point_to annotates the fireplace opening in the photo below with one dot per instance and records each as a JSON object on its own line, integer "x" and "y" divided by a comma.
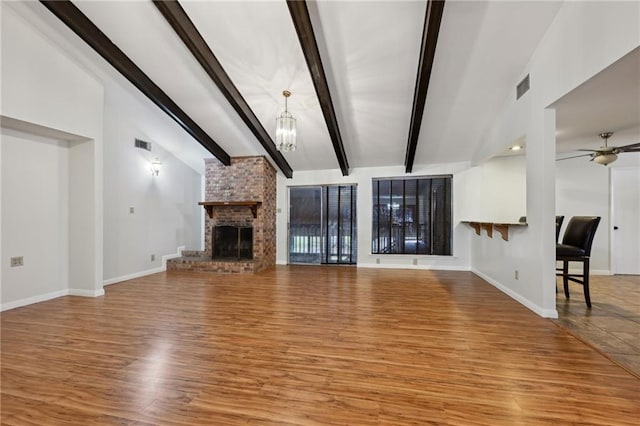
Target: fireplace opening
{"x": 232, "y": 243}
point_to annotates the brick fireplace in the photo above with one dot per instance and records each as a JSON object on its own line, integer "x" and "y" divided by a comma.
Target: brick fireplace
{"x": 242, "y": 195}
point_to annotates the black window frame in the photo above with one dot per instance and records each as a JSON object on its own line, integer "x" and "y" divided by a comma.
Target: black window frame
{"x": 412, "y": 215}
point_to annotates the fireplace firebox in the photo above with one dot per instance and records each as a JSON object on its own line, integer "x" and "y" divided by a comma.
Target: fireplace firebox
{"x": 232, "y": 243}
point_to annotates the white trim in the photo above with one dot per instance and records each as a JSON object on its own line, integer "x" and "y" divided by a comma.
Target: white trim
{"x": 422, "y": 267}
{"x": 148, "y": 271}
{"x": 612, "y": 216}
{"x": 403, "y": 266}
{"x": 85, "y": 293}
{"x": 134, "y": 275}
{"x": 591, "y": 272}
{"x": 545, "y": 313}
{"x": 171, "y": 256}
{"x": 612, "y": 211}
{"x": 34, "y": 299}
{"x": 53, "y": 295}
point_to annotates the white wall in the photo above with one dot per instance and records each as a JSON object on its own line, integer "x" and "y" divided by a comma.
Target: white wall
{"x": 166, "y": 212}
{"x": 35, "y": 215}
{"x": 506, "y": 200}
{"x": 362, "y": 177}
{"x": 498, "y": 190}
{"x": 47, "y": 92}
{"x": 41, "y": 85}
{"x": 584, "y": 38}
{"x": 583, "y": 189}
{"x": 43, "y": 90}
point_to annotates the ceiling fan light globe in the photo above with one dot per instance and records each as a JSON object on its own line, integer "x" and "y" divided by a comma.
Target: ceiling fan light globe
{"x": 605, "y": 159}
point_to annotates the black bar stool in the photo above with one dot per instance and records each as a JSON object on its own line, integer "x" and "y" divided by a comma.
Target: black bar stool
{"x": 576, "y": 247}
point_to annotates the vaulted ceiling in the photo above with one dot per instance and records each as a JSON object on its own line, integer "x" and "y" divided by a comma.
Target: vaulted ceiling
{"x": 370, "y": 52}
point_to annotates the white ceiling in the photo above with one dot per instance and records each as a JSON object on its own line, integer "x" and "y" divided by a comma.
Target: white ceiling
{"x": 482, "y": 52}
{"x": 370, "y": 54}
{"x": 609, "y": 101}
{"x": 371, "y": 50}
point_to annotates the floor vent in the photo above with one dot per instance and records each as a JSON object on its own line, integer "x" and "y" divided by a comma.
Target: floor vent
{"x": 523, "y": 87}
{"x": 143, "y": 145}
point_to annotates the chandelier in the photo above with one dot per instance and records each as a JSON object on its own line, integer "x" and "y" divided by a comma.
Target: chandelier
{"x": 286, "y": 128}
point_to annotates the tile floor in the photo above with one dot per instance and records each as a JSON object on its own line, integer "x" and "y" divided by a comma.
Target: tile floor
{"x": 612, "y": 325}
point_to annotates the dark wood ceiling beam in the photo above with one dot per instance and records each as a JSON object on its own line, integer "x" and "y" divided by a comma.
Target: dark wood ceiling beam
{"x": 80, "y": 24}
{"x": 302, "y": 22}
{"x": 432, "y": 19}
{"x": 193, "y": 40}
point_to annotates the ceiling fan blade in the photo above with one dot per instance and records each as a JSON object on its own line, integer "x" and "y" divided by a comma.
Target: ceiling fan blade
{"x": 575, "y": 156}
{"x": 591, "y": 150}
{"x": 629, "y": 148}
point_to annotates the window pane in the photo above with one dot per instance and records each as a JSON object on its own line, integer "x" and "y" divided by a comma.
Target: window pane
{"x": 384, "y": 218}
{"x": 340, "y": 224}
{"x": 354, "y": 227}
{"x": 345, "y": 227}
{"x": 442, "y": 216}
{"x": 410, "y": 230}
{"x": 397, "y": 216}
{"x": 424, "y": 216}
{"x": 412, "y": 216}
{"x": 331, "y": 232}
{"x": 374, "y": 219}
{"x": 304, "y": 225}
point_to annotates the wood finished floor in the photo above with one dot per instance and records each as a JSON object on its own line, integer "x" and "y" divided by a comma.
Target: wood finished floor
{"x": 303, "y": 345}
{"x": 612, "y": 325}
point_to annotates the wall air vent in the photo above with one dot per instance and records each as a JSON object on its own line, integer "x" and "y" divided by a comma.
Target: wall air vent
{"x": 143, "y": 145}
{"x": 522, "y": 87}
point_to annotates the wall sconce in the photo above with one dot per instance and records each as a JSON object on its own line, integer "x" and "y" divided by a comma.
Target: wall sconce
{"x": 155, "y": 166}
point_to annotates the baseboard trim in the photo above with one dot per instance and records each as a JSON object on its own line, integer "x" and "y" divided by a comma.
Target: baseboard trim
{"x": 166, "y": 257}
{"x": 134, "y": 275}
{"x": 591, "y": 272}
{"x": 53, "y": 295}
{"x": 33, "y": 299}
{"x": 85, "y": 293}
{"x": 403, "y": 266}
{"x": 139, "y": 274}
{"x": 545, "y": 313}
{"x": 422, "y": 267}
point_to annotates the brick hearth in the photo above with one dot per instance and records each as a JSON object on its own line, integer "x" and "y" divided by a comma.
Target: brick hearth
{"x": 246, "y": 179}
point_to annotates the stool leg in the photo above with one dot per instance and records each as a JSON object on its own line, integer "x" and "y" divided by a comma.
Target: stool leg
{"x": 585, "y": 279}
{"x": 565, "y": 278}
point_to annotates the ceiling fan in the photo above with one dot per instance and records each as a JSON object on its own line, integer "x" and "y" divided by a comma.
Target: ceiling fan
{"x": 606, "y": 154}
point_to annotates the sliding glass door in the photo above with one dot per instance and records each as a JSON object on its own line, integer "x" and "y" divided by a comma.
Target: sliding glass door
{"x": 322, "y": 224}
{"x": 305, "y": 224}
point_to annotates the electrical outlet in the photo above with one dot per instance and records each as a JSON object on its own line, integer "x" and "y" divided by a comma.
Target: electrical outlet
{"x": 278, "y": 210}
{"x": 415, "y": 261}
{"x": 153, "y": 257}
{"x": 377, "y": 260}
{"x": 17, "y": 261}
{"x": 132, "y": 210}
{"x": 516, "y": 274}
